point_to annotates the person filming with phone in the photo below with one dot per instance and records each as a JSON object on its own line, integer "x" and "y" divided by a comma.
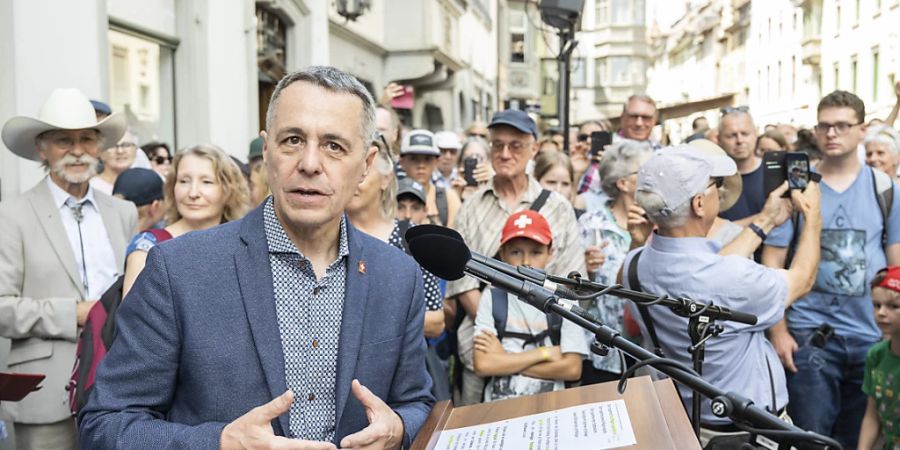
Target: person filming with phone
{"x": 824, "y": 337}
{"x": 679, "y": 190}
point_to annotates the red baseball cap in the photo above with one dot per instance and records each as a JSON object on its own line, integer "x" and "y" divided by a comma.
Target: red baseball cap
{"x": 528, "y": 224}
{"x": 891, "y": 279}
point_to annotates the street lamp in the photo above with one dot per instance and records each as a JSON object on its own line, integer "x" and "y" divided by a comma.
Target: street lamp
{"x": 563, "y": 15}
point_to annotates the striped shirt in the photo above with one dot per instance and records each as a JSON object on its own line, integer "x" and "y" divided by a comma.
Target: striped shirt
{"x": 480, "y": 221}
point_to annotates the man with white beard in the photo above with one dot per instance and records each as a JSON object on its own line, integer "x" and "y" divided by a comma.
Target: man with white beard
{"x": 62, "y": 246}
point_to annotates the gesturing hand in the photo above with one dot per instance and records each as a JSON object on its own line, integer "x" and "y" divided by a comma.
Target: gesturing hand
{"x": 254, "y": 429}
{"x": 385, "y": 430}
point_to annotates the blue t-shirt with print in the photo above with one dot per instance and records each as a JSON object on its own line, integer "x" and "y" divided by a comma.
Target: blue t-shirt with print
{"x": 851, "y": 253}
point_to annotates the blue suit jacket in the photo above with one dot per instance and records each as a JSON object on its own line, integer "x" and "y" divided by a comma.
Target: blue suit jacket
{"x": 198, "y": 342}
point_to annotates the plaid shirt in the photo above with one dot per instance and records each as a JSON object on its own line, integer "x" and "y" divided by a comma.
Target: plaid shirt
{"x": 480, "y": 222}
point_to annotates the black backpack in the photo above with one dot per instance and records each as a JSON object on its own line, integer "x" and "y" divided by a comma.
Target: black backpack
{"x": 500, "y": 310}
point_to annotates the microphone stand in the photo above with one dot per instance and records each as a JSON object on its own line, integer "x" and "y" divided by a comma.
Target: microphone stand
{"x": 701, "y": 319}
{"x": 738, "y": 408}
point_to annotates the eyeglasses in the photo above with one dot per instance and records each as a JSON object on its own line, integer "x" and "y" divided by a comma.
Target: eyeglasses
{"x": 162, "y": 160}
{"x": 734, "y": 109}
{"x": 514, "y": 146}
{"x": 644, "y": 117}
{"x": 379, "y": 141}
{"x": 583, "y": 137}
{"x": 839, "y": 127}
{"x": 124, "y": 146}
{"x": 718, "y": 182}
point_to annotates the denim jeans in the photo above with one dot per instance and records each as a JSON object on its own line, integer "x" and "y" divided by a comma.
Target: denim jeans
{"x": 826, "y": 394}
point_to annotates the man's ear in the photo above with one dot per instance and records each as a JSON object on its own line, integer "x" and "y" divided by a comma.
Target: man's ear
{"x": 698, "y": 205}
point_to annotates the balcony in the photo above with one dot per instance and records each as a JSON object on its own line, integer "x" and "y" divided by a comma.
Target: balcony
{"x": 811, "y": 51}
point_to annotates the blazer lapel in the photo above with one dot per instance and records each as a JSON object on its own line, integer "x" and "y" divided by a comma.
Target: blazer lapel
{"x": 48, "y": 216}
{"x": 354, "y": 312}
{"x": 113, "y": 225}
{"x": 255, "y": 279}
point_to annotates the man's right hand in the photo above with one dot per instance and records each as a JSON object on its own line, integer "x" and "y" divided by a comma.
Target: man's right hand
{"x": 777, "y": 208}
{"x": 254, "y": 429}
{"x": 82, "y": 309}
{"x": 785, "y": 346}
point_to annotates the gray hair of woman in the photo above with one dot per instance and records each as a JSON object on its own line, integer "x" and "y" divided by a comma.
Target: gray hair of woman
{"x": 384, "y": 165}
{"x": 885, "y": 135}
{"x": 621, "y": 159}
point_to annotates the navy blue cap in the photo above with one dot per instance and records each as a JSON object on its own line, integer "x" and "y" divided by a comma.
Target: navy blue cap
{"x": 139, "y": 186}
{"x": 101, "y": 107}
{"x": 515, "y": 118}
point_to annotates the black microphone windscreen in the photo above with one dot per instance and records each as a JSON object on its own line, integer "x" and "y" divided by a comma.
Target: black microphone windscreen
{"x": 442, "y": 255}
{"x": 420, "y": 230}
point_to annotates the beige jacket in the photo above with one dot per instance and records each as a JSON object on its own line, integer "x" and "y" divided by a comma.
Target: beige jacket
{"x": 39, "y": 287}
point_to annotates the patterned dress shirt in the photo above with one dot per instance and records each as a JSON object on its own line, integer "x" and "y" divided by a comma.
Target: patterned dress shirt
{"x": 309, "y": 312}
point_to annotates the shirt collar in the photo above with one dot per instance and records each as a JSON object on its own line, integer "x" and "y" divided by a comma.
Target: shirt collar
{"x": 60, "y": 196}
{"x": 531, "y": 193}
{"x": 683, "y": 245}
{"x": 279, "y": 242}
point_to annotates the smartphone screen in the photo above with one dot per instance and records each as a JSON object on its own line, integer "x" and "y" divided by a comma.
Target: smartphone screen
{"x": 599, "y": 141}
{"x": 773, "y": 170}
{"x": 797, "y": 170}
{"x": 469, "y": 165}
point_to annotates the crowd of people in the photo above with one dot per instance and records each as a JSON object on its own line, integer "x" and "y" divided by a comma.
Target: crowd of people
{"x": 323, "y": 204}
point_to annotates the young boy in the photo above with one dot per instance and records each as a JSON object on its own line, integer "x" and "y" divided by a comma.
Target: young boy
{"x": 524, "y": 360}
{"x": 882, "y": 376}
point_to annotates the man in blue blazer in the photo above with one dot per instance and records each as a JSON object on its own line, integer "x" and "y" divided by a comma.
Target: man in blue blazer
{"x": 288, "y": 328}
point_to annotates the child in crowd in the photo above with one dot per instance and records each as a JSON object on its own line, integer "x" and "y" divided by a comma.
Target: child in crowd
{"x": 882, "y": 377}
{"x": 411, "y": 201}
{"x": 529, "y": 352}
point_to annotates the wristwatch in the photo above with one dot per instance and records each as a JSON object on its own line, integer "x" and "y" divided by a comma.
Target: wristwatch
{"x": 759, "y": 232}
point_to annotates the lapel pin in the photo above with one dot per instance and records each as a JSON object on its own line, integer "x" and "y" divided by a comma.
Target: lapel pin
{"x": 361, "y": 266}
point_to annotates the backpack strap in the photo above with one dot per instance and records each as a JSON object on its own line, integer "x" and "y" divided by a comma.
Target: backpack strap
{"x": 500, "y": 313}
{"x": 540, "y": 200}
{"x": 635, "y": 284}
{"x": 440, "y": 197}
{"x": 884, "y": 194}
{"x": 500, "y": 310}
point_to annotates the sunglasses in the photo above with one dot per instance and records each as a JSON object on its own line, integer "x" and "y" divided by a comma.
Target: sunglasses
{"x": 718, "y": 182}
{"x": 162, "y": 159}
{"x": 583, "y": 137}
{"x": 379, "y": 141}
{"x": 733, "y": 109}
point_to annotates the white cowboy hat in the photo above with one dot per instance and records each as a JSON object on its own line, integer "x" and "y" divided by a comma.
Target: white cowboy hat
{"x": 65, "y": 109}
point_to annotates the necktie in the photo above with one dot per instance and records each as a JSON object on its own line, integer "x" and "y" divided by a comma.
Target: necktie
{"x": 78, "y": 214}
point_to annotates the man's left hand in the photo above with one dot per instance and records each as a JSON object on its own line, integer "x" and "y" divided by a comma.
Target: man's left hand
{"x": 385, "y": 430}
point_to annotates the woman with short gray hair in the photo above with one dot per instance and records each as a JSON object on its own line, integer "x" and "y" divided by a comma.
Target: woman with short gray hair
{"x": 607, "y": 241}
{"x": 882, "y": 144}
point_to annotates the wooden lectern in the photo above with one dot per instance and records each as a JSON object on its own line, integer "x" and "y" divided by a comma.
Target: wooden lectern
{"x": 657, "y": 415}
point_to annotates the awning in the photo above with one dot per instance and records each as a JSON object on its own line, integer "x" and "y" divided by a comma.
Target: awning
{"x": 688, "y": 108}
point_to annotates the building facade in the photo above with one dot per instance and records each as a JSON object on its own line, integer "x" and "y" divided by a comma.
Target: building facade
{"x": 202, "y": 71}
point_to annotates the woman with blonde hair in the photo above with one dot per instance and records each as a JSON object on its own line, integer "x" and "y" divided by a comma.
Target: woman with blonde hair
{"x": 204, "y": 188}
{"x": 372, "y": 211}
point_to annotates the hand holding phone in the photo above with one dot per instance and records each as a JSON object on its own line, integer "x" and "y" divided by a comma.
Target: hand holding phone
{"x": 469, "y": 165}
{"x": 599, "y": 141}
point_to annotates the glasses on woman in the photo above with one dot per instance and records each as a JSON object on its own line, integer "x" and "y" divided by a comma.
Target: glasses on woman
{"x": 379, "y": 141}
{"x": 160, "y": 160}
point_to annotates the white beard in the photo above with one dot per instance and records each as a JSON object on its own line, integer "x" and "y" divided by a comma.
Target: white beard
{"x": 60, "y": 169}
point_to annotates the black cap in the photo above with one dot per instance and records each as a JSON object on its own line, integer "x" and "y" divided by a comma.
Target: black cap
{"x": 408, "y": 186}
{"x": 515, "y": 118}
{"x": 139, "y": 186}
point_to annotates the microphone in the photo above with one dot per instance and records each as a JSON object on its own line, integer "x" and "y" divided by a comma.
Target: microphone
{"x": 442, "y": 252}
{"x": 536, "y": 276}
